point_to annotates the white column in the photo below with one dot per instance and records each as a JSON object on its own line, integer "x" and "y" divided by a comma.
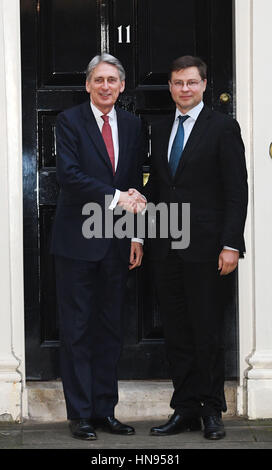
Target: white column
{"x": 12, "y": 366}
{"x": 243, "y": 80}
{"x": 260, "y": 375}
{"x": 254, "y": 72}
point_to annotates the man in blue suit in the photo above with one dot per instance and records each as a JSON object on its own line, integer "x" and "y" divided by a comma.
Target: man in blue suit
{"x": 98, "y": 161}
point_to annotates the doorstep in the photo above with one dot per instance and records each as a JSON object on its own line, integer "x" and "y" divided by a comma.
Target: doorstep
{"x": 138, "y": 399}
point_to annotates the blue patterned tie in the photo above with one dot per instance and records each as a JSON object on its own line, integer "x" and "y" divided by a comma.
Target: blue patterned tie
{"x": 177, "y": 146}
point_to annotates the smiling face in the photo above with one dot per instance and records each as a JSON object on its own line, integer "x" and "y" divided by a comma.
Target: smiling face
{"x": 187, "y": 97}
{"x": 104, "y": 86}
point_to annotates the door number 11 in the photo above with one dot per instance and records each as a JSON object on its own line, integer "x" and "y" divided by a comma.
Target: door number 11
{"x": 120, "y": 34}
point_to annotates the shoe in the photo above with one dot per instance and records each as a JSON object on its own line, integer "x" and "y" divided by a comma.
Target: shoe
{"x": 175, "y": 425}
{"x": 111, "y": 424}
{"x": 213, "y": 427}
{"x": 82, "y": 429}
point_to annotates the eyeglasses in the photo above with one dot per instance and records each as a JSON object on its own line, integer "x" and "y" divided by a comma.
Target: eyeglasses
{"x": 190, "y": 84}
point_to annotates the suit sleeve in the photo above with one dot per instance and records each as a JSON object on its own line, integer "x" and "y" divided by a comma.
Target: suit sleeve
{"x": 69, "y": 174}
{"x": 235, "y": 187}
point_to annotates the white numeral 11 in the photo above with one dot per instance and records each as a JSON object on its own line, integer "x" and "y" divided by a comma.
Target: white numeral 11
{"x": 120, "y": 34}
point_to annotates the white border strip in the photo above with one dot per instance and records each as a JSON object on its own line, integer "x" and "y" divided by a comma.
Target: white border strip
{"x": 244, "y": 115}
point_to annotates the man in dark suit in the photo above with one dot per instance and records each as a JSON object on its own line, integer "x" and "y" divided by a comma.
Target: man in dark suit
{"x": 197, "y": 158}
{"x": 98, "y": 163}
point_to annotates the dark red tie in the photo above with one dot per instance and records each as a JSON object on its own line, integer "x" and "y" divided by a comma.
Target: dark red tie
{"x": 107, "y": 136}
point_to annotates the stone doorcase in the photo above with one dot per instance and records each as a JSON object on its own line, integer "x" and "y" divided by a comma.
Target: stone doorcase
{"x": 254, "y": 102}
{"x": 12, "y": 368}
{"x": 253, "y": 65}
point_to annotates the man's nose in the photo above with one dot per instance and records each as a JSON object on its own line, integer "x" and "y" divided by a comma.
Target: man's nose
{"x": 105, "y": 83}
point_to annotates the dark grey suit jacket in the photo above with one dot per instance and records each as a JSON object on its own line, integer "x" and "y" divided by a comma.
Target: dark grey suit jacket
{"x": 211, "y": 176}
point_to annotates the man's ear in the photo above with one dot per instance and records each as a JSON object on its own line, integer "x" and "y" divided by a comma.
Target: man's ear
{"x": 122, "y": 87}
{"x": 87, "y": 86}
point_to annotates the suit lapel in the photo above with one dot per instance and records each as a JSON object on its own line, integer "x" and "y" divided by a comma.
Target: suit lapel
{"x": 165, "y": 132}
{"x": 122, "y": 138}
{"x": 94, "y": 133}
{"x": 196, "y": 133}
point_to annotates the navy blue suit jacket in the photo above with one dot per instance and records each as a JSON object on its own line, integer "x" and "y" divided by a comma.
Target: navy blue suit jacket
{"x": 85, "y": 175}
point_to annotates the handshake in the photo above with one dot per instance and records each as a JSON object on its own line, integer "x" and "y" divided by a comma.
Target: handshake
{"x": 132, "y": 201}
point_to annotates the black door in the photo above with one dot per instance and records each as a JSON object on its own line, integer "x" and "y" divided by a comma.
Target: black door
{"x": 59, "y": 37}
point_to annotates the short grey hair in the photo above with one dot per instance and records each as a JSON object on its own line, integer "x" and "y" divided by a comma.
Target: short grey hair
{"x": 109, "y": 59}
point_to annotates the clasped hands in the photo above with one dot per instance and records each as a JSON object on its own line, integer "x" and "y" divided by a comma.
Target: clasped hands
{"x": 132, "y": 201}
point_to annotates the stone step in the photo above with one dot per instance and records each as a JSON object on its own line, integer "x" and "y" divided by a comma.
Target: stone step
{"x": 138, "y": 399}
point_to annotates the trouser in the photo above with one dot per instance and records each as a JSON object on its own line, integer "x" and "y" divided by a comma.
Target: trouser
{"x": 191, "y": 298}
{"x": 90, "y": 300}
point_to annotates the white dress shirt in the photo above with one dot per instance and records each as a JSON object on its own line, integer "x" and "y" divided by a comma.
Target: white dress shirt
{"x": 114, "y": 131}
{"x": 187, "y": 125}
{"x": 114, "y": 128}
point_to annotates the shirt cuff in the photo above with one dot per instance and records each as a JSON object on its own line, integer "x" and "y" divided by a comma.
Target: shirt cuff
{"x": 138, "y": 240}
{"x": 229, "y": 248}
{"x": 115, "y": 200}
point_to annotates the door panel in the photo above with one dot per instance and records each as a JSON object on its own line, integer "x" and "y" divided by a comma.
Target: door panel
{"x": 164, "y": 34}
{"x": 59, "y": 37}
{"x": 66, "y": 27}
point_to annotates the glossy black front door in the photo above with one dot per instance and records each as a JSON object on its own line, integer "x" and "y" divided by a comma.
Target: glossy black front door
{"x": 59, "y": 37}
